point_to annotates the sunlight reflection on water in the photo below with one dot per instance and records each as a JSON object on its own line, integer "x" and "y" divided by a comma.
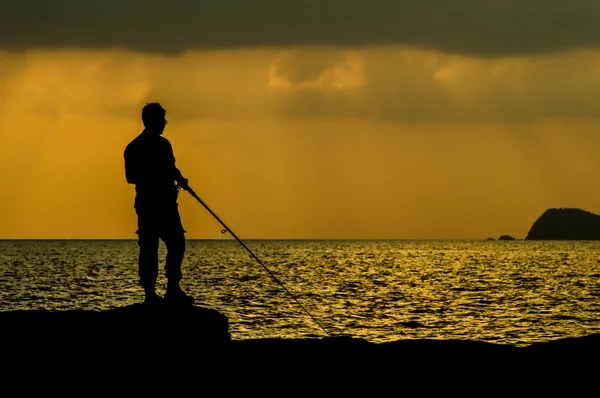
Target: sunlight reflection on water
{"x": 515, "y": 292}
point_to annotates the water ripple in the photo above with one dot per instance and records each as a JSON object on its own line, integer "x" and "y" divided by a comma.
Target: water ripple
{"x": 508, "y": 292}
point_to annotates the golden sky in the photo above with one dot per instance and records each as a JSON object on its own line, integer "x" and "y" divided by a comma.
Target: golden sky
{"x": 381, "y": 138}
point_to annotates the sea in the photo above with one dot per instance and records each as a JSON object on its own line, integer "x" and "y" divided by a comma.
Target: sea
{"x": 506, "y": 292}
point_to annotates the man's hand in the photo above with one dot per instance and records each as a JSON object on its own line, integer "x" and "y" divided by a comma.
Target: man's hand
{"x": 183, "y": 183}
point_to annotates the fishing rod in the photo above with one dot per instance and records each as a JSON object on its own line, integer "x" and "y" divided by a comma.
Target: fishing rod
{"x": 191, "y": 191}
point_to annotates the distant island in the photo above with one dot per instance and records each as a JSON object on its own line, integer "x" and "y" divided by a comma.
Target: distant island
{"x": 503, "y": 237}
{"x": 506, "y": 237}
{"x": 565, "y": 224}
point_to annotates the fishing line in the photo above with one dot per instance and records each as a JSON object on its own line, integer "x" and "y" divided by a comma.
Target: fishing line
{"x": 191, "y": 191}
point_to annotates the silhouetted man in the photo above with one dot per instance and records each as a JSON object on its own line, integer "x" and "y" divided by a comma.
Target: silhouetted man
{"x": 150, "y": 165}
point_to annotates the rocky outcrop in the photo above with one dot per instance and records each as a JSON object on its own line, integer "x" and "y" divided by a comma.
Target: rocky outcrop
{"x": 566, "y": 224}
{"x": 135, "y": 336}
{"x": 41, "y": 335}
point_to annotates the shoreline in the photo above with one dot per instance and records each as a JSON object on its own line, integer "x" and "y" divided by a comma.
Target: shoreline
{"x": 136, "y": 334}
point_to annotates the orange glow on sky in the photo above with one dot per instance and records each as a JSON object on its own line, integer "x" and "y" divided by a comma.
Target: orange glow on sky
{"x": 373, "y": 143}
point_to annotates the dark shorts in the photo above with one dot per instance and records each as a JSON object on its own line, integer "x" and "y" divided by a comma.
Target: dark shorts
{"x": 159, "y": 220}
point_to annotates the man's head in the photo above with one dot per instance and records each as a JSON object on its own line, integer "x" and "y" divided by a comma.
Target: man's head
{"x": 153, "y": 116}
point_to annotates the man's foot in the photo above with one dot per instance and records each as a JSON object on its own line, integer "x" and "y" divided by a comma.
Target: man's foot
{"x": 178, "y": 297}
{"x": 152, "y": 299}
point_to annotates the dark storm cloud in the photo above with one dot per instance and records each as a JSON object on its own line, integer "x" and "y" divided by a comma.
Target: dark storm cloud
{"x": 478, "y": 27}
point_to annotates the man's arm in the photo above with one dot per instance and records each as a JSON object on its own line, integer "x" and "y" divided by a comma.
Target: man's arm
{"x": 177, "y": 176}
{"x": 181, "y": 180}
{"x": 130, "y": 172}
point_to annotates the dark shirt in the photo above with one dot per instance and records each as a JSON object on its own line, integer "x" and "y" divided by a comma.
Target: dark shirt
{"x": 150, "y": 165}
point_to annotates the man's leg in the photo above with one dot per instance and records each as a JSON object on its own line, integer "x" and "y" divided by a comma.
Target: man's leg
{"x": 174, "y": 238}
{"x": 175, "y": 244}
{"x": 148, "y": 241}
{"x": 148, "y": 265}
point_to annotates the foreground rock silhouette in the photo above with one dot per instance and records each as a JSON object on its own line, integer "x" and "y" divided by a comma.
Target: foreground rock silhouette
{"x": 565, "y": 224}
{"x": 137, "y": 335}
